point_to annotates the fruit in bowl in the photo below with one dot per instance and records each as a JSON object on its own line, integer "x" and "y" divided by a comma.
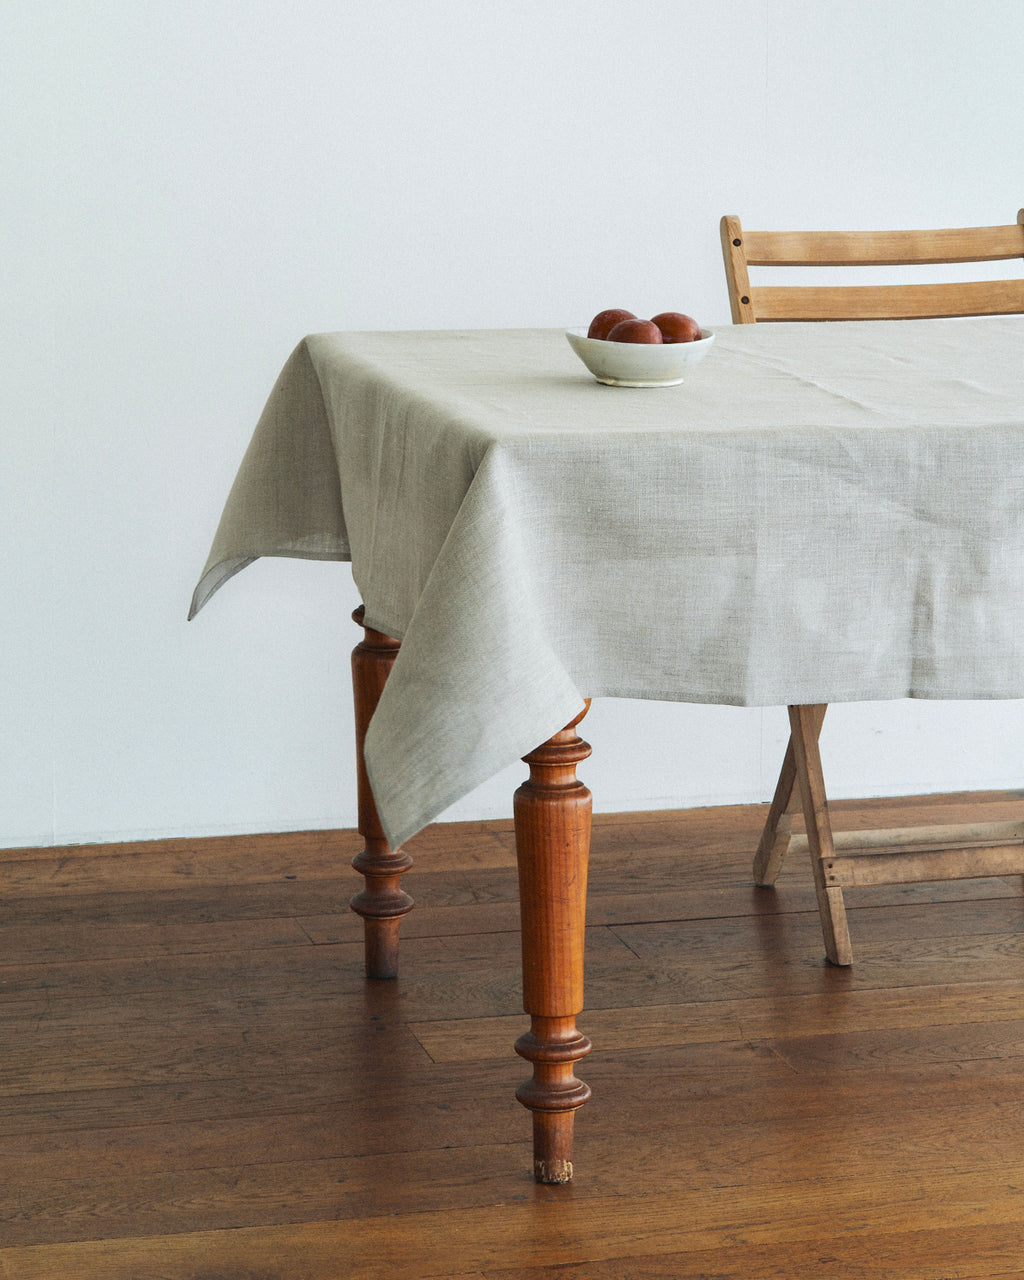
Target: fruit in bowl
{"x": 675, "y": 327}
{"x": 605, "y": 321}
{"x": 622, "y": 350}
{"x": 617, "y": 325}
{"x": 635, "y": 331}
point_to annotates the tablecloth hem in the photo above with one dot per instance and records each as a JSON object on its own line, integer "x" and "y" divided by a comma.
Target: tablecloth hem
{"x": 212, "y": 581}
{"x": 917, "y": 694}
{"x": 441, "y": 800}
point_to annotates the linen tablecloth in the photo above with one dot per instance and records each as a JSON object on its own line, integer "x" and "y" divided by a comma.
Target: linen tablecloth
{"x": 819, "y": 513}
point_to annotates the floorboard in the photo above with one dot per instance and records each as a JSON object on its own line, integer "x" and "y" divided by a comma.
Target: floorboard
{"x": 197, "y": 1082}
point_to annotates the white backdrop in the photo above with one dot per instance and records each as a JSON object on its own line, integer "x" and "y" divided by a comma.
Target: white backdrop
{"x": 191, "y": 187}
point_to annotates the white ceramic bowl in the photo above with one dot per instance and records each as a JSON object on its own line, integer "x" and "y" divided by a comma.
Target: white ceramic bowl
{"x": 639, "y": 364}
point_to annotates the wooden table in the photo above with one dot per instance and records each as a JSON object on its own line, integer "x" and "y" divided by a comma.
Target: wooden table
{"x": 819, "y": 514}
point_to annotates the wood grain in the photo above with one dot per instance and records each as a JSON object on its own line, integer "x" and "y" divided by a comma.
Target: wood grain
{"x": 553, "y": 813}
{"x": 198, "y": 1083}
{"x": 382, "y": 902}
{"x": 883, "y": 248}
{"x": 742, "y": 249}
{"x": 886, "y": 302}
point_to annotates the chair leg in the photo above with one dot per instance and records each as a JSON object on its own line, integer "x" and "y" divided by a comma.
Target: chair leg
{"x": 778, "y": 827}
{"x": 805, "y": 726}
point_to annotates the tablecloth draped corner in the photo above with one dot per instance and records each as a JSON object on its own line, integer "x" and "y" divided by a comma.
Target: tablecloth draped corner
{"x": 213, "y": 578}
{"x": 286, "y": 498}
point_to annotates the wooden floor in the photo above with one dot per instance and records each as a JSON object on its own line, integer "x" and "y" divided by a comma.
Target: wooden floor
{"x": 197, "y": 1083}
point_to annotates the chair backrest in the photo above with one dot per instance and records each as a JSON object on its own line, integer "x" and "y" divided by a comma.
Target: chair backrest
{"x": 742, "y": 249}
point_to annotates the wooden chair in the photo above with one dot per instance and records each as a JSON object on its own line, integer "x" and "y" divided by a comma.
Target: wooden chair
{"x": 907, "y": 855}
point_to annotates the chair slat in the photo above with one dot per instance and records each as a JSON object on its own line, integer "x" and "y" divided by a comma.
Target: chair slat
{"x": 882, "y": 248}
{"x": 890, "y": 302}
{"x": 921, "y": 866}
{"x": 960, "y": 836}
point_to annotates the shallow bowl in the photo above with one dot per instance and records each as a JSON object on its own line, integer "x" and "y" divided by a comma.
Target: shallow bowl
{"x": 639, "y": 364}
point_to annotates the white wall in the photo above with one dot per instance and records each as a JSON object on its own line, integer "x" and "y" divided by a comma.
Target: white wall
{"x": 189, "y": 187}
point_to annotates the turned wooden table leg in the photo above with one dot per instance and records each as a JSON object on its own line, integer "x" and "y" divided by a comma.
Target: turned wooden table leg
{"x": 552, "y": 821}
{"x": 382, "y": 903}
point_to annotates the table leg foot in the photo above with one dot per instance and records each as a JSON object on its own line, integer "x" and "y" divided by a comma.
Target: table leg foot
{"x": 553, "y": 1095}
{"x": 382, "y": 902}
{"x": 552, "y": 820}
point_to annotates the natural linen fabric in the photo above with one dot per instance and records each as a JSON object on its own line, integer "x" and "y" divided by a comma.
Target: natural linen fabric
{"x": 819, "y": 513}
